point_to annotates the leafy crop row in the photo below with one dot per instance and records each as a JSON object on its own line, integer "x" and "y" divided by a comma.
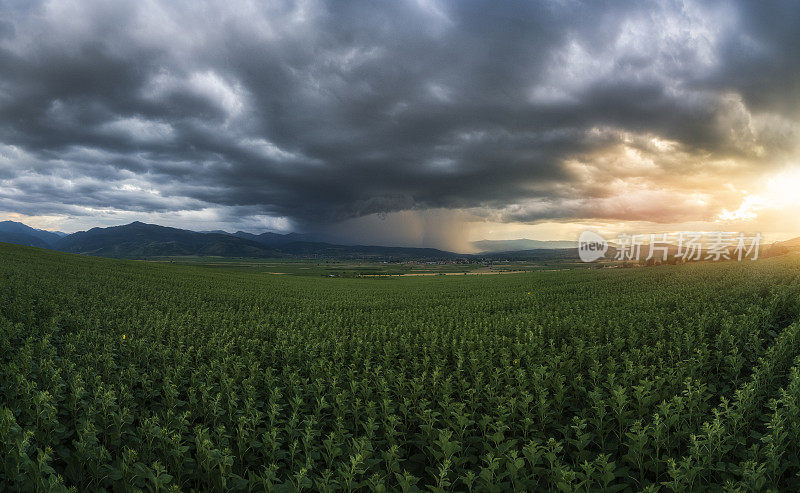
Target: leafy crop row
{"x": 130, "y": 376}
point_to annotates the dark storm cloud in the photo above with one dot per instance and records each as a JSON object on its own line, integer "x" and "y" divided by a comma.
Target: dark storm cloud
{"x": 324, "y": 111}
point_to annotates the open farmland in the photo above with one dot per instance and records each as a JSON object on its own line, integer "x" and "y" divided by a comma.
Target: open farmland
{"x": 123, "y": 376}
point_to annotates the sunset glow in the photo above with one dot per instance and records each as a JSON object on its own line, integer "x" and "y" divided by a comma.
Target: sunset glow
{"x": 451, "y": 123}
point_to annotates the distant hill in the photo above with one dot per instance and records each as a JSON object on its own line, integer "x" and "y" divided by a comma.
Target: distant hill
{"x": 137, "y": 240}
{"x": 13, "y": 229}
{"x": 22, "y": 239}
{"x": 486, "y": 246}
{"x": 791, "y": 244}
{"x": 148, "y": 240}
{"x": 320, "y": 249}
{"x": 297, "y": 244}
{"x": 781, "y": 247}
{"x": 271, "y": 239}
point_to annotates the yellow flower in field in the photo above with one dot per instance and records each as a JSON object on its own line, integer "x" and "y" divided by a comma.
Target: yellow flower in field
{"x": 516, "y": 361}
{"x": 123, "y": 337}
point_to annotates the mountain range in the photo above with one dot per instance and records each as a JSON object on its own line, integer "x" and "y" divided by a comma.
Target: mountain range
{"x": 140, "y": 240}
{"x": 137, "y": 239}
{"x": 149, "y": 240}
{"x": 21, "y": 234}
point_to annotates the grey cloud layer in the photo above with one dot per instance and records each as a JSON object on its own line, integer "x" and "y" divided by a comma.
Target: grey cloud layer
{"x": 324, "y": 111}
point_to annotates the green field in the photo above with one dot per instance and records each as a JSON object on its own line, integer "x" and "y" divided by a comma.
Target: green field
{"x": 354, "y": 268}
{"x": 130, "y": 375}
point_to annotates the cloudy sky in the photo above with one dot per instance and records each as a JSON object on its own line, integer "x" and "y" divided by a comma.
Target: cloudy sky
{"x": 417, "y": 122}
